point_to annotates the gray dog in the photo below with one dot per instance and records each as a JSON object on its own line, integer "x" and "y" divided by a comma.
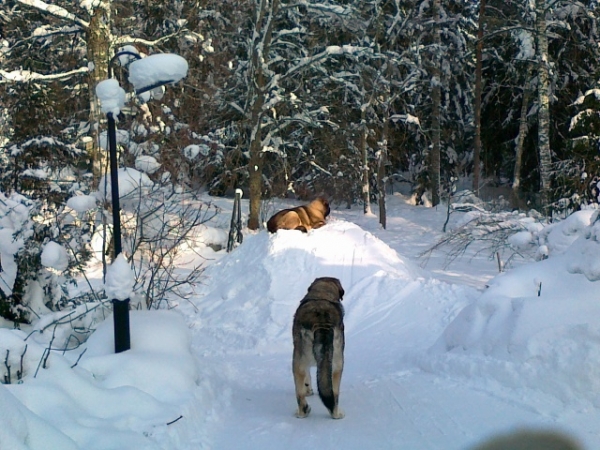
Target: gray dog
{"x": 318, "y": 334}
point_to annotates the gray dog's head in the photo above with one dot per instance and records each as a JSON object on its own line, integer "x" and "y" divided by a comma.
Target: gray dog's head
{"x": 327, "y": 285}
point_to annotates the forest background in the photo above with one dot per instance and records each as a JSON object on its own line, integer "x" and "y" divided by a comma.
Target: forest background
{"x": 297, "y": 98}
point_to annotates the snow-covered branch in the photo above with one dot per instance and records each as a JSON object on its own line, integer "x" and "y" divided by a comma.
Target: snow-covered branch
{"x": 503, "y": 30}
{"x": 24, "y": 76}
{"x": 333, "y": 9}
{"x": 329, "y": 51}
{"x": 237, "y": 108}
{"x": 130, "y": 40}
{"x": 55, "y": 11}
{"x": 595, "y": 92}
{"x": 315, "y": 165}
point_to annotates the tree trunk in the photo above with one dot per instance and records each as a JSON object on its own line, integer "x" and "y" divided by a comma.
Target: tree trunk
{"x": 434, "y": 157}
{"x": 255, "y": 182}
{"x": 516, "y": 185}
{"x": 98, "y": 54}
{"x": 477, "y": 105}
{"x": 543, "y": 106}
{"x": 365, "y": 156}
{"x": 265, "y": 18}
{"x": 381, "y": 162}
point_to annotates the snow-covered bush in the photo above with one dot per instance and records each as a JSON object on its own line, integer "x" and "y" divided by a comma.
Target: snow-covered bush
{"x": 42, "y": 247}
{"x": 512, "y": 234}
{"x": 158, "y": 223}
{"x": 503, "y": 234}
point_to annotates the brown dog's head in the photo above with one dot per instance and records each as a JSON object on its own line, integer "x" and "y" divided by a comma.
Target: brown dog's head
{"x": 322, "y": 205}
{"x": 329, "y": 285}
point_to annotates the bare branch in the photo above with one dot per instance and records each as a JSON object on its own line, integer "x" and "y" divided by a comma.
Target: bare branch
{"x": 488, "y": 232}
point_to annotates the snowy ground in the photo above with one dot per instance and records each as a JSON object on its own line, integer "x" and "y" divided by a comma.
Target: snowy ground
{"x": 434, "y": 358}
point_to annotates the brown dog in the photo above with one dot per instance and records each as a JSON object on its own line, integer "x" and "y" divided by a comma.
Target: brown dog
{"x": 302, "y": 218}
{"x": 318, "y": 335}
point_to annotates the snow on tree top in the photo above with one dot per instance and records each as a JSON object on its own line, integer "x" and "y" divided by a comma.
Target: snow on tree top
{"x": 55, "y": 256}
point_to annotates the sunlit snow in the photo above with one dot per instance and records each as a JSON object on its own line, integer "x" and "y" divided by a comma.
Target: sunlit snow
{"x": 437, "y": 356}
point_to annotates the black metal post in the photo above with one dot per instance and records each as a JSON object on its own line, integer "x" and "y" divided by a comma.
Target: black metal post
{"x": 120, "y": 307}
{"x": 235, "y": 228}
{"x": 238, "y": 196}
{"x": 114, "y": 183}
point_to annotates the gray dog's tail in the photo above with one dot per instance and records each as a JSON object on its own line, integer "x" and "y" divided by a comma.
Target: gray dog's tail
{"x": 323, "y": 353}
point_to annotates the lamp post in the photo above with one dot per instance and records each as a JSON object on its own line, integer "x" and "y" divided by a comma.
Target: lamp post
{"x": 151, "y": 73}
{"x": 120, "y": 307}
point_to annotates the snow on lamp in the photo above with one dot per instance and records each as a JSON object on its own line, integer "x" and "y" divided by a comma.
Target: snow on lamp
{"x": 148, "y": 76}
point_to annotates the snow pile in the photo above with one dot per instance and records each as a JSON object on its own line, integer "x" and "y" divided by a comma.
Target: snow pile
{"x": 252, "y": 293}
{"x": 24, "y": 430}
{"x": 159, "y": 363}
{"x": 147, "y": 164}
{"x": 20, "y": 357}
{"x": 559, "y": 236}
{"x": 116, "y": 401}
{"x": 536, "y": 325}
{"x": 82, "y": 203}
{"x": 525, "y": 234}
{"x": 55, "y": 256}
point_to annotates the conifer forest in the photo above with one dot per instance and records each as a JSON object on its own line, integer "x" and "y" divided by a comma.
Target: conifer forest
{"x": 296, "y": 98}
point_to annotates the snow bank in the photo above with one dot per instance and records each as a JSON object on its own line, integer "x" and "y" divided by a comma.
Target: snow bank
{"x": 107, "y": 400}
{"x": 261, "y": 283}
{"x": 159, "y": 363}
{"x": 23, "y": 430}
{"x": 560, "y": 235}
{"x": 537, "y": 325}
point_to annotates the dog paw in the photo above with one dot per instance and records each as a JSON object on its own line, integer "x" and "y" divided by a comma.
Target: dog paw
{"x": 301, "y": 414}
{"x": 338, "y": 414}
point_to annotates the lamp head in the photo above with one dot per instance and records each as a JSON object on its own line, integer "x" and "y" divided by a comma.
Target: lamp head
{"x": 154, "y": 71}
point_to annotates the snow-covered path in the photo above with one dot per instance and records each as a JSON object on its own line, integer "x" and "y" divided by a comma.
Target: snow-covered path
{"x": 403, "y": 409}
{"x": 393, "y": 391}
{"x": 389, "y": 402}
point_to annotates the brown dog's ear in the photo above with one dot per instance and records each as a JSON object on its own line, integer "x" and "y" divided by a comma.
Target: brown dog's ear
{"x": 325, "y": 202}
